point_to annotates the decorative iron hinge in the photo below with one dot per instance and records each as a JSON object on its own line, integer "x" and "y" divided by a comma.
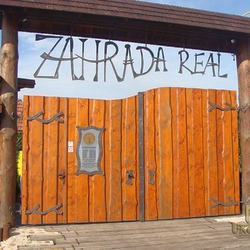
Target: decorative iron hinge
{"x": 53, "y": 209}
{"x": 217, "y": 203}
{"x": 54, "y": 118}
{"x": 214, "y": 106}
{"x": 246, "y": 201}
{"x": 242, "y": 108}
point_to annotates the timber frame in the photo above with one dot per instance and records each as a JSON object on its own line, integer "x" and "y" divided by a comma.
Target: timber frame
{"x": 125, "y": 20}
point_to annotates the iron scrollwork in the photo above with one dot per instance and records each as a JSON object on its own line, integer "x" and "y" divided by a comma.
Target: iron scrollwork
{"x": 53, "y": 209}
{"x": 217, "y": 203}
{"x": 242, "y": 108}
{"x": 230, "y": 107}
{"x": 54, "y": 118}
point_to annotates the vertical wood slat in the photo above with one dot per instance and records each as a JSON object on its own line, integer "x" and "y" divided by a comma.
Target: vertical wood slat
{"x": 72, "y": 135}
{"x": 35, "y": 166}
{"x": 149, "y": 155}
{"x": 164, "y": 155}
{"x": 129, "y": 159}
{"x": 82, "y": 181}
{"x": 62, "y": 161}
{"x": 195, "y": 152}
{"x": 180, "y": 160}
{"x": 210, "y": 152}
{"x": 220, "y": 151}
{"x": 97, "y": 206}
{"x": 225, "y": 155}
{"x": 50, "y": 163}
{"x": 114, "y": 164}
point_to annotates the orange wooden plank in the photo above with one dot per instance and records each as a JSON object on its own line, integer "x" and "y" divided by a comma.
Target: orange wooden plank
{"x": 71, "y": 176}
{"x": 164, "y": 180}
{"x": 129, "y": 159}
{"x": 50, "y": 163}
{"x": 82, "y": 180}
{"x": 113, "y": 163}
{"x": 221, "y": 119}
{"x": 35, "y": 164}
{"x": 210, "y": 152}
{"x": 227, "y": 154}
{"x": 97, "y": 202}
{"x": 180, "y": 168}
{"x": 149, "y": 154}
{"x": 195, "y": 152}
{"x": 62, "y": 160}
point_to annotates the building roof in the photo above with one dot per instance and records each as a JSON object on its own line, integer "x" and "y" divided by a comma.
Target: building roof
{"x": 129, "y": 20}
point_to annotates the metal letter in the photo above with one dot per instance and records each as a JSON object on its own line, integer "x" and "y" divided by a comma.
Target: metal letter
{"x": 182, "y": 62}
{"x": 157, "y": 60}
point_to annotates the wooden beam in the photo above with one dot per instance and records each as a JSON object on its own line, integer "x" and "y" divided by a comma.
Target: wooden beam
{"x": 243, "y": 64}
{"x": 8, "y": 126}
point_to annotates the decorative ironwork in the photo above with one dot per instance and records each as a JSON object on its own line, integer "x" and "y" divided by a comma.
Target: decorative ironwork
{"x": 12, "y": 211}
{"x": 62, "y": 176}
{"x": 129, "y": 173}
{"x": 107, "y": 57}
{"x": 230, "y": 107}
{"x": 242, "y": 108}
{"x": 53, "y": 209}
{"x": 217, "y": 203}
{"x": 151, "y": 177}
{"x": 141, "y": 155}
{"x": 246, "y": 201}
{"x": 89, "y": 150}
{"x": 54, "y": 118}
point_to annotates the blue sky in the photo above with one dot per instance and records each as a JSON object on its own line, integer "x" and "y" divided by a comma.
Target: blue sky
{"x": 31, "y": 50}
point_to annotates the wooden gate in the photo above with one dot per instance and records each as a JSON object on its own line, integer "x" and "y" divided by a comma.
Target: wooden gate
{"x": 166, "y": 153}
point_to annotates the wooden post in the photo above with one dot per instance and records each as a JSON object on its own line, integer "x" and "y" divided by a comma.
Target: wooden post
{"x": 243, "y": 64}
{"x": 8, "y": 127}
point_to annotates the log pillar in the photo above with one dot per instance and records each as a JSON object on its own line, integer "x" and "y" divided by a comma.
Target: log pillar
{"x": 243, "y": 65}
{"x": 8, "y": 126}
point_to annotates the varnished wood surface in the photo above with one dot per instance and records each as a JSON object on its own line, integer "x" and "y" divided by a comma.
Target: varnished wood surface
{"x": 192, "y": 151}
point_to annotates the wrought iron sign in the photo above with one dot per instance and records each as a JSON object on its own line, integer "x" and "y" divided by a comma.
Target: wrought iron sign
{"x": 89, "y": 150}
{"x": 155, "y": 61}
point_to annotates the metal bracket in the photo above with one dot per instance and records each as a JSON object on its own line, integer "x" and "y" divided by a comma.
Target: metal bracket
{"x": 151, "y": 177}
{"x": 129, "y": 173}
{"x": 242, "y": 108}
{"x": 217, "y": 203}
{"x": 230, "y": 107}
{"x": 62, "y": 176}
{"x": 246, "y": 201}
{"x": 54, "y": 209}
